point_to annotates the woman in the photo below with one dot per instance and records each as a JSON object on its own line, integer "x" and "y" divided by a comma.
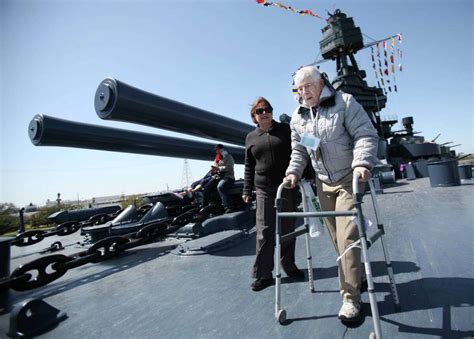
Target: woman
{"x": 267, "y": 155}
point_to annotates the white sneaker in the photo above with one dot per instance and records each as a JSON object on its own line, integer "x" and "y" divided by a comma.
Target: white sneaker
{"x": 349, "y": 311}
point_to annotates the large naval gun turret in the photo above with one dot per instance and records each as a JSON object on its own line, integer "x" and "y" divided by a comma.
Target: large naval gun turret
{"x": 406, "y": 145}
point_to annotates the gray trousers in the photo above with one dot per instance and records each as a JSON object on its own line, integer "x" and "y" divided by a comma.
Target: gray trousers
{"x": 265, "y": 225}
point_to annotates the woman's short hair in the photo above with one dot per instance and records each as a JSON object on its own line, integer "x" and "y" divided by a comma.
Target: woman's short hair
{"x": 307, "y": 73}
{"x": 254, "y": 105}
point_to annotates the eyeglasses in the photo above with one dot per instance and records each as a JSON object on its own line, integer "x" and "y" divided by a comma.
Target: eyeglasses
{"x": 260, "y": 111}
{"x": 306, "y": 87}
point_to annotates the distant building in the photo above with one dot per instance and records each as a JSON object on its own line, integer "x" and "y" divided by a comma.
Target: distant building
{"x": 97, "y": 201}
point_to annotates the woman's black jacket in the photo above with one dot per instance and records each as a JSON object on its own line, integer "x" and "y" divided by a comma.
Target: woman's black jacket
{"x": 267, "y": 155}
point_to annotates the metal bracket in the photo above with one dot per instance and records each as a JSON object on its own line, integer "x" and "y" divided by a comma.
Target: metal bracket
{"x": 55, "y": 246}
{"x": 33, "y": 317}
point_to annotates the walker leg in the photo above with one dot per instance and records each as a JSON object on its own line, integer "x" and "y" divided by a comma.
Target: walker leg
{"x": 365, "y": 258}
{"x": 388, "y": 264}
{"x": 370, "y": 289}
{"x": 279, "y": 313}
{"x": 310, "y": 263}
{"x": 368, "y": 268}
{"x": 391, "y": 277}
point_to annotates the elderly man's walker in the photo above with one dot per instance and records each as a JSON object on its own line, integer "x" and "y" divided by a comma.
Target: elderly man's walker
{"x": 364, "y": 242}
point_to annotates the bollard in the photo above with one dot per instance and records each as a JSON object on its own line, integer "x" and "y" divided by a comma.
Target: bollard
{"x": 4, "y": 269}
{"x": 465, "y": 171}
{"x": 410, "y": 170}
{"x": 444, "y": 173}
{"x": 21, "y": 228}
{"x": 421, "y": 168}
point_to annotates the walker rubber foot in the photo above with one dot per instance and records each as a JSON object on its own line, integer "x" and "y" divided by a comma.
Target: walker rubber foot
{"x": 281, "y": 316}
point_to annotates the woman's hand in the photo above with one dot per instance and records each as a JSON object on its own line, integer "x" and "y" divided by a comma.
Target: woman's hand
{"x": 246, "y": 198}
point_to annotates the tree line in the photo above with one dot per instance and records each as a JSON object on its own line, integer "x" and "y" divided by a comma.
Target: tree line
{"x": 10, "y": 220}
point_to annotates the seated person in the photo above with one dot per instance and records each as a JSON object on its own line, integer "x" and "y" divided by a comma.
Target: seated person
{"x": 199, "y": 184}
{"x": 224, "y": 163}
{"x": 209, "y": 182}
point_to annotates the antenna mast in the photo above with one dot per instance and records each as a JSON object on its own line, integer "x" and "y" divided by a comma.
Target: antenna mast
{"x": 187, "y": 178}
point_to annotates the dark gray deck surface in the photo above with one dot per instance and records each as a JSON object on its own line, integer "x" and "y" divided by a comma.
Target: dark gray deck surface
{"x": 152, "y": 293}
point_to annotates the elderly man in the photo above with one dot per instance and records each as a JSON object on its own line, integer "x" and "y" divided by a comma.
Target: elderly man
{"x": 333, "y": 131}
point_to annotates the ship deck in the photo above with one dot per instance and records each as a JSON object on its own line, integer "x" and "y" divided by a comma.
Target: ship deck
{"x": 152, "y": 293}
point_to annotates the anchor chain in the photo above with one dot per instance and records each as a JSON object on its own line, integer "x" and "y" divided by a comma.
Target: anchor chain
{"x": 35, "y": 236}
{"x": 52, "y": 267}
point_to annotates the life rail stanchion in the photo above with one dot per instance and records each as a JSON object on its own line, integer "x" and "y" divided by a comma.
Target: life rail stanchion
{"x": 388, "y": 263}
{"x": 365, "y": 255}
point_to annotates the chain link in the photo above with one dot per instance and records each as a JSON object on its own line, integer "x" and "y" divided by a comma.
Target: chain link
{"x": 185, "y": 217}
{"x": 6, "y": 283}
{"x": 152, "y": 229}
{"x": 40, "y": 265}
{"x": 78, "y": 261}
{"x": 28, "y": 238}
{"x": 52, "y": 267}
{"x": 108, "y": 247}
{"x": 35, "y": 236}
{"x": 67, "y": 228}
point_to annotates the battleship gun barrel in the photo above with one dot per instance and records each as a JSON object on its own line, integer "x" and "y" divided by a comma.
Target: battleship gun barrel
{"x": 116, "y": 100}
{"x": 464, "y": 156}
{"x": 436, "y": 137}
{"x": 45, "y": 130}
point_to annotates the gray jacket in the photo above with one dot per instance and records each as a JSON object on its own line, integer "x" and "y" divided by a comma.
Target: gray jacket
{"x": 226, "y": 165}
{"x": 347, "y": 137}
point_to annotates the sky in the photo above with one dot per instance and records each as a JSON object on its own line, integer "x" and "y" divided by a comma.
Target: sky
{"x": 215, "y": 55}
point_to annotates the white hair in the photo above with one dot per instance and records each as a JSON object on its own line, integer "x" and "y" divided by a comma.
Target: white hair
{"x": 305, "y": 74}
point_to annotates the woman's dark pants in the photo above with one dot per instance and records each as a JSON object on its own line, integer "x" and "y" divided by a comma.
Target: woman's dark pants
{"x": 265, "y": 225}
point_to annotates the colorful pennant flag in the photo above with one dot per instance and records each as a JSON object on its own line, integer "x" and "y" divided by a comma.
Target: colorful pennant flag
{"x": 382, "y": 73}
{"x": 399, "y": 36}
{"x": 280, "y": 5}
